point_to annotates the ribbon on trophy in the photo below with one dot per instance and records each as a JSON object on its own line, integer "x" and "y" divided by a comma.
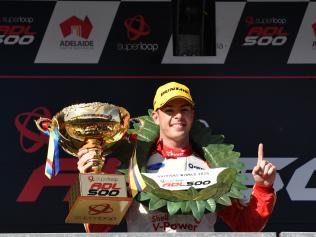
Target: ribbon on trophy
{"x": 135, "y": 179}
{"x": 52, "y": 160}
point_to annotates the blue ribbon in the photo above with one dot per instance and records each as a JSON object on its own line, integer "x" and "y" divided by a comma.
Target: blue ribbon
{"x": 56, "y": 165}
{"x": 56, "y": 151}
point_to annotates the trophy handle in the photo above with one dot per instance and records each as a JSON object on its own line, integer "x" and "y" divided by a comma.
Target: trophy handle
{"x": 39, "y": 124}
{"x": 140, "y": 121}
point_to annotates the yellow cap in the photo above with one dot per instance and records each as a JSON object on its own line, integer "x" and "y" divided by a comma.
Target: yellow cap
{"x": 170, "y": 91}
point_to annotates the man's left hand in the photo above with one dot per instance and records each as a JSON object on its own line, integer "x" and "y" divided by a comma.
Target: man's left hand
{"x": 264, "y": 172}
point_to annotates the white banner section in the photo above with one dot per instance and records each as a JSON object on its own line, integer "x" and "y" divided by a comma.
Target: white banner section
{"x": 186, "y": 179}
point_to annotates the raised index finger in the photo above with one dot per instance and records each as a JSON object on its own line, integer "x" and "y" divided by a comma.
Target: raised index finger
{"x": 260, "y": 153}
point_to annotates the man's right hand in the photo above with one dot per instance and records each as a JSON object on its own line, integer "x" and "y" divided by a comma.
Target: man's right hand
{"x": 86, "y": 155}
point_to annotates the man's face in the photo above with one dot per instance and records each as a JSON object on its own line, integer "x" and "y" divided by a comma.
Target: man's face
{"x": 175, "y": 119}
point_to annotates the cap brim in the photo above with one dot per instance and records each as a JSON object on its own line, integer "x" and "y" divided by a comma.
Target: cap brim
{"x": 176, "y": 97}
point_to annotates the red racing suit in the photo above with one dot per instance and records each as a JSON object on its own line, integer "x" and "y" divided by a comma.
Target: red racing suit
{"x": 250, "y": 217}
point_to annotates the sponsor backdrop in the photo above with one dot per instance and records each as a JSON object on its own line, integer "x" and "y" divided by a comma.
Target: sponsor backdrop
{"x": 260, "y": 87}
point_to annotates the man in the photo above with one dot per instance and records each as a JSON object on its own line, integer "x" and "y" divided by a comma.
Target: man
{"x": 174, "y": 113}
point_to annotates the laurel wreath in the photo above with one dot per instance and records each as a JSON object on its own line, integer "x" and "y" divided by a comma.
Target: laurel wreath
{"x": 193, "y": 201}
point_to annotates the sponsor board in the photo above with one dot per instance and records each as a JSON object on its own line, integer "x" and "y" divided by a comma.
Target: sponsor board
{"x": 81, "y": 29}
{"x": 264, "y": 35}
{"x": 140, "y": 33}
{"x": 22, "y": 29}
{"x": 304, "y": 49}
{"x": 77, "y": 32}
{"x": 16, "y": 33}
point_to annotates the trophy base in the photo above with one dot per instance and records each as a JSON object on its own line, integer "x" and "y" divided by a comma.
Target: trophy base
{"x": 98, "y": 199}
{"x": 98, "y": 210}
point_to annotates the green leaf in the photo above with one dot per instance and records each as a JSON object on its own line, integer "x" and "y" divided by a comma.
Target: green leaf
{"x": 239, "y": 186}
{"x": 238, "y": 165}
{"x": 136, "y": 126}
{"x": 156, "y": 203}
{"x": 150, "y": 184}
{"x": 241, "y": 178}
{"x": 224, "y": 200}
{"x": 227, "y": 176}
{"x": 219, "y": 154}
{"x": 203, "y": 135}
{"x": 192, "y": 192}
{"x": 149, "y": 131}
{"x": 222, "y": 188}
{"x": 150, "y": 111}
{"x": 210, "y": 158}
{"x": 207, "y": 192}
{"x": 144, "y": 196}
{"x": 216, "y": 139}
{"x": 178, "y": 195}
{"x": 198, "y": 208}
{"x": 185, "y": 207}
{"x": 145, "y": 135}
{"x": 235, "y": 193}
{"x": 173, "y": 207}
{"x": 143, "y": 149}
{"x": 165, "y": 194}
{"x": 211, "y": 205}
{"x": 125, "y": 172}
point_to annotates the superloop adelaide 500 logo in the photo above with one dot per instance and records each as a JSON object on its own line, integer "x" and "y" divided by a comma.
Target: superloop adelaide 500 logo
{"x": 268, "y": 31}
{"x": 16, "y": 30}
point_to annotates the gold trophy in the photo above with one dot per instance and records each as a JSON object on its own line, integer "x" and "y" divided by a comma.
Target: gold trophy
{"x": 96, "y": 197}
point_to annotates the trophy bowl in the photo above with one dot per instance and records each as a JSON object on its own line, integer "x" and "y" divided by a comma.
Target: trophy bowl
{"x": 100, "y": 124}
